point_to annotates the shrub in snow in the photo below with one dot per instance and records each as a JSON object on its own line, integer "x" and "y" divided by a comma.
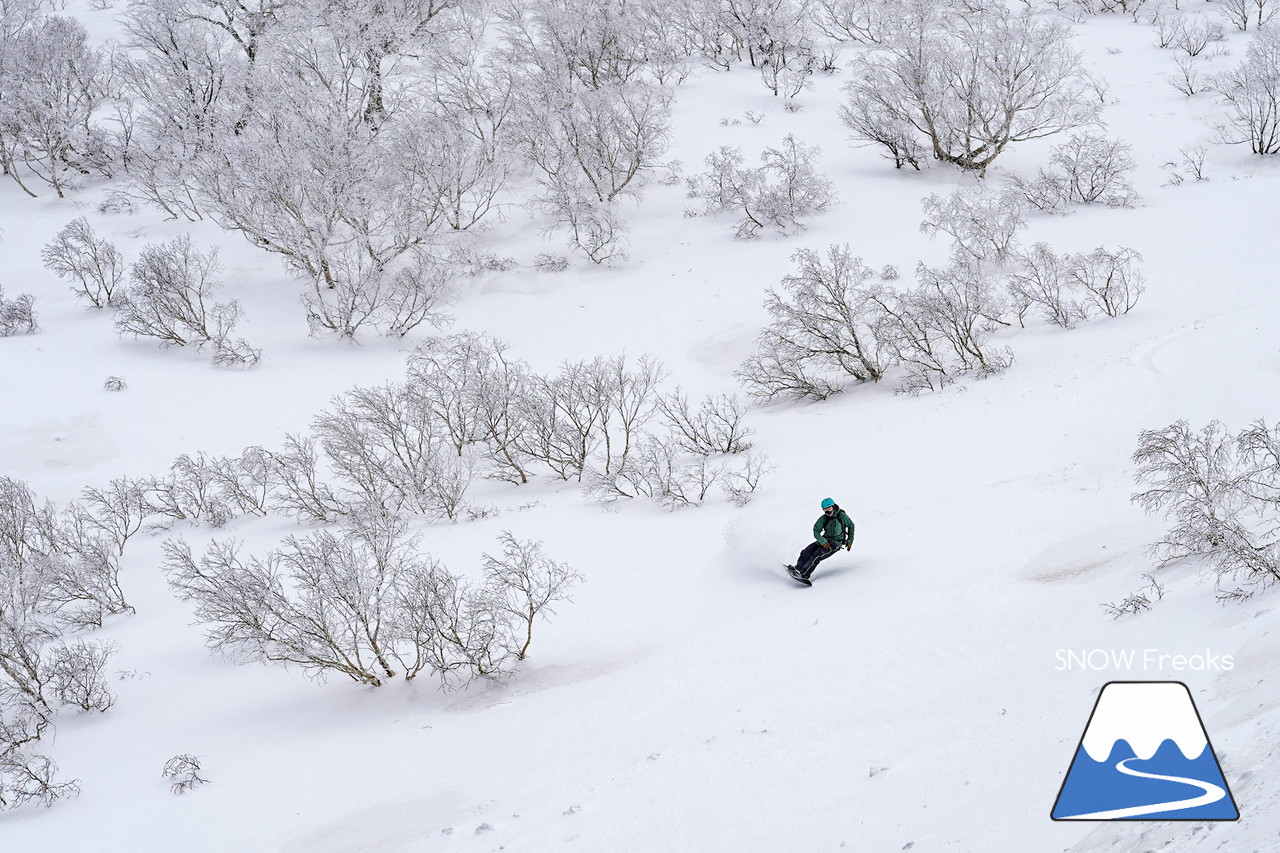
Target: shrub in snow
{"x": 715, "y": 427}
{"x": 889, "y": 273}
{"x": 983, "y": 223}
{"x": 1188, "y": 79}
{"x": 212, "y": 489}
{"x": 365, "y": 602}
{"x": 833, "y": 323}
{"x": 1251, "y": 93}
{"x": 1073, "y": 287}
{"x": 941, "y": 329}
{"x": 1087, "y": 169}
{"x": 523, "y": 584}
{"x": 1168, "y": 27}
{"x": 118, "y": 510}
{"x": 1138, "y": 601}
{"x": 307, "y": 166}
{"x": 477, "y": 394}
{"x": 658, "y": 469}
{"x": 827, "y": 318}
{"x": 31, "y": 778}
{"x": 82, "y": 586}
{"x": 113, "y": 383}
{"x": 995, "y": 78}
{"x": 299, "y": 490}
{"x": 393, "y": 297}
{"x": 786, "y": 68}
{"x": 183, "y": 773}
{"x": 1194, "y": 36}
{"x": 53, "y": 564}
{"x": 763, "y": 33}
{"x": 23, "y": 720}
{"x": 622, "y": 398}
{"x": 473, "y": 390}
{"x": 1193, "y": 162}
{"x": 39, "y": 675}
{"x": 777, "y": 194}
{"x": 1191, "y": 34}
{"x": 890, "y": 129}
{"x": 94, "y": 267}
{"x": 741, "y": 481}
{"x": 75, "y": 674}
{"x": 1039, "y": 280}
{"x": 25, "y": 708}
{"x": 1110, "y": 280}
{"x": 116, "y": 202}
{"x": 384, "y": 443}
{"x": 167, "y": 299}
{"x": 592, "y": 148}
{"x": 1221, "y": 494}
{"x": 17, "y": 316}
{"x": 598, "y": 44}
{"x": 551, "y": 263}
{"x": 589, "y": 414}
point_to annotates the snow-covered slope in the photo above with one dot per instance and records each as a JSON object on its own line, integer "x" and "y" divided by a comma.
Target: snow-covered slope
{"x": 692, "y": 697}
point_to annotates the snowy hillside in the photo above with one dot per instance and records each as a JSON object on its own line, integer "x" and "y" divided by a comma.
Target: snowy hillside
{"x": 685, "y": 695}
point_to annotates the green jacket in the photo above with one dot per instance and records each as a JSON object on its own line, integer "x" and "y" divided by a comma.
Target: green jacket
{"x": 838, "y": 528}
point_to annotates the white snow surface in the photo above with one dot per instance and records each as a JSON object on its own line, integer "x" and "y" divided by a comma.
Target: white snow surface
{"x": 692, "y": 697}
{"x": 1145, "y": 715}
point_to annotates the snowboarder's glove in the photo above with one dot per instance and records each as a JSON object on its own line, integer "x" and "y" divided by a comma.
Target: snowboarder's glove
{"x": 826, "y": 545}
{"x": 848, "y": 546}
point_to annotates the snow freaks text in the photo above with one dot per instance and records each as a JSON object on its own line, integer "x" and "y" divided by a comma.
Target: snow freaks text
{"x": 1144, "y": 660}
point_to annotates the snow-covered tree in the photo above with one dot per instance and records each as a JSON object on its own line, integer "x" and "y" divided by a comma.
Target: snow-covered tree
{"x": 365, "y": 604}
{"x": 714, "y": 427}
{"x": 18, "y": 315}
{"x": 1251, "y": 93}
{"x": 94, "y": 266}
{"x": 53, "y": 83}
{"x": 778, "y": 194}
{"x": 1111, "y": 281}
{"x": 1243, "y": 13}
{"x": 169, "y": 299}
{"x": 1087, "y": 169}
{"x": 596, "y": 43}
{"x": 385, "y": 443}
{"x": 32, "y": 778}
{"x": 941, "y": 329}
{"x": 321, "y": 134}
{"x": 866, "y": 21}
{"x": 969, "y": 82}
{"x": 1074, "y": 287}
{"x": 983, "y": 223}
{"x": 1039, "y": 280}
{"x": 591, "y": 148}
{"x": 1221, "y": 494}
{"x": 827, "y": 319}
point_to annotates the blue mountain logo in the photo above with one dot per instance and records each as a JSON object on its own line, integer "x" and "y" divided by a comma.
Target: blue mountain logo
{"x": 1145, "y": 755}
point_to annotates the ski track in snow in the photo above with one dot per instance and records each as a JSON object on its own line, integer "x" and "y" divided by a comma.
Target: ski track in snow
{"x": 1212, "y": 793}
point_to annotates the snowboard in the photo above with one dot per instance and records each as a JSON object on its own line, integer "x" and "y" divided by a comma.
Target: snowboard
{"x": 795, "y": 573}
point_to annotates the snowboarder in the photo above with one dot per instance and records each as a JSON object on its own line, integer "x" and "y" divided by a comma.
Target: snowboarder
{"x": 832, "y": 529}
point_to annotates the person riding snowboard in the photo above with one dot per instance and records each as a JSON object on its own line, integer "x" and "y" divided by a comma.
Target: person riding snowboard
{"x": 832, "y": 529}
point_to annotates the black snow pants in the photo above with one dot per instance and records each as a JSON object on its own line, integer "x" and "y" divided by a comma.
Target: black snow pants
{"x": 812, "y": 555}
